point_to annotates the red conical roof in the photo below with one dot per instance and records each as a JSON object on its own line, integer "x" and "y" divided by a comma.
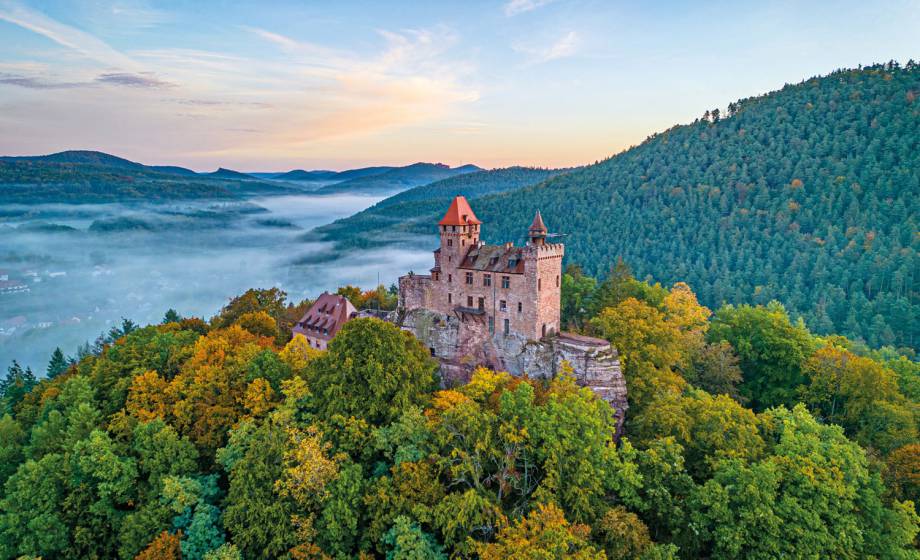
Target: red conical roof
{"x": 537, "y": 225}
{"x": 459, "y": 214}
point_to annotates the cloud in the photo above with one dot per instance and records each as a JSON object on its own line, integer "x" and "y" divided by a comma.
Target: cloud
{"x": 138, "y": 14}
{"x": 515, "y": 7}
{"x": 142, "y": 80}
{"x": 563, "y": 47}
{"x": 276, "y": 38}
{"x": 31, "y": 82}
{"x": 64, "y": 35}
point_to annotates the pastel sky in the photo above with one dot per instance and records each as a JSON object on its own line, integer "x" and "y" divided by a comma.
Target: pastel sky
{"x": 265, "y": 86}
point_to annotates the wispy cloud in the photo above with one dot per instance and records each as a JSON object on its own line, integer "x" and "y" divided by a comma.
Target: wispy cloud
{"x": 141, "y": 80}
{"x": 515, "y": 7}
{"x": 65, "y": 35}
{"x": 563, "y": 47}
{"x": 138, "y": 14}
{"x": 32, "y": 82}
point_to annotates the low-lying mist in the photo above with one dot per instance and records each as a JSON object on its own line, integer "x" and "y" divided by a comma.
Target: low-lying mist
{"x": 87, "y": 266}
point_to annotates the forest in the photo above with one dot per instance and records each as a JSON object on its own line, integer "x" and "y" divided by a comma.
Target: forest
{"x": 748, "y": 436}
{"x": 807, "y": 195}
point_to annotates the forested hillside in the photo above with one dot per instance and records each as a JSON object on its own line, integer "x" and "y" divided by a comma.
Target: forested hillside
{"x": 809, "y": 195}
{"x": 747, "y": 437}
{"x": 105, "y": 179}
{"x": 396, "y": 179}
{"x": 417, "y": 209}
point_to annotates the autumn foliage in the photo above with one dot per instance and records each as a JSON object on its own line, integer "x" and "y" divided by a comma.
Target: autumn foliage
{"x": 747, "y": 437}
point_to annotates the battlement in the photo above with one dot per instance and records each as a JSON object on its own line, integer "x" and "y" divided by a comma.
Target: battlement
{"x": 547, "y": 250}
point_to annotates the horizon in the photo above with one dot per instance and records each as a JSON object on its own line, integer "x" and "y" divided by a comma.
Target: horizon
{"x": 544, "y": 83}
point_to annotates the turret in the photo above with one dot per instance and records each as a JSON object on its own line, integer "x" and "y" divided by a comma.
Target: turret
{"x": 537, "y": 230}
{"x": 459, "y": 226}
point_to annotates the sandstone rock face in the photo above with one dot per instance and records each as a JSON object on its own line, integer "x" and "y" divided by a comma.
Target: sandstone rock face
{"x": 462, "y": 342}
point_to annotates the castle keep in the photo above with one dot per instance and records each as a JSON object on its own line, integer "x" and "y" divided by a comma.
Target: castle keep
{"x": 499, "y": 306}
{"x": 512, "y": 289}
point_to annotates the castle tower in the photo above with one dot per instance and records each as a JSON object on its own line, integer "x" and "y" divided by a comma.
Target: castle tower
{"x": 459, "y": 232}
{"x": 543, "y": 280}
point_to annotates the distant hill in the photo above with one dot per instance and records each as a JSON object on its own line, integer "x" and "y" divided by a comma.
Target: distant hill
{"x": 809, "y": 195}
{"x": 102, "y": 159}
{"x": 417, "y": 209}
{"x": 301, "y": 175}
{"x": 86, "y": 157}
{"x": 362, "y": 172}
{"x": 173, "y": 169}
{"x": 398, "y": 179}
{"x": 223, "y": 173}
{"x": 86, "y": 176}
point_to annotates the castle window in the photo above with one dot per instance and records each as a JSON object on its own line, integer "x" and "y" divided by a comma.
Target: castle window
{"x": 557, "y": 280}
{"x": 469, "y": 301}
{"x": 450, "y": 278}
{"x": 491, "y": 324}
{"x": 431, "y": 348}
{"x": 450, "y": 297}
{"x": 482, "y": 303}
{"x": 506, "y": 282}
{"x": 520, "y": 307}
{"x": 435, "y": 275}
{"x": 487, "y": 280}
{"x": 503, "y": 305}
{"x": 539, "y": 284}
{"x": 544, "y": 329}
{"x": 469, "y": 278}
{"x": 450, "y": 242}
{"x": 507, "y": 326}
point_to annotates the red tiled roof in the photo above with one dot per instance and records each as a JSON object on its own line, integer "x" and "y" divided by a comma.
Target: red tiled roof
{"x": 537, "y": 225}
{"x": 329, "y": 312}
{"x": 459, "y": 214}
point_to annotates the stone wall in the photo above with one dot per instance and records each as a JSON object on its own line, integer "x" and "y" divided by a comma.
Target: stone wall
{"x": 414, "y": 291}
{"x": 463, "y": 343}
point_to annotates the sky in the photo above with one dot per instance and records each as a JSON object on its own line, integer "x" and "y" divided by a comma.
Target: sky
{"x": 273, "y": 86}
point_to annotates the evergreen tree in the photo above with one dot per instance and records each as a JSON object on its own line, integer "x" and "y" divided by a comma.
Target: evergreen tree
{"x": 58, "y": 364}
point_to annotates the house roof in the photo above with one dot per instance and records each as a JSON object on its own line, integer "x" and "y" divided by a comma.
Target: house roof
{"x": 459, "y": 214}
{"x": 494, "y": 258}
{"x": 326, "y": 316}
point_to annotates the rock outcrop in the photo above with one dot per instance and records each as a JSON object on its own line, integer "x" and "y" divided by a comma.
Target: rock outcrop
{"x": 462, "y": 342}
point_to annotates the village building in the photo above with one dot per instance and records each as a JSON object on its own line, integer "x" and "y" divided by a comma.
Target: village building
{"x": 9, "y": 286}
{"x": 499, "y": 306}
{"x": 324, "y": 319}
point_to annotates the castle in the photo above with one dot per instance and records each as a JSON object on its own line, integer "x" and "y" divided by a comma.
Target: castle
{"x": 499, "y": 306}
